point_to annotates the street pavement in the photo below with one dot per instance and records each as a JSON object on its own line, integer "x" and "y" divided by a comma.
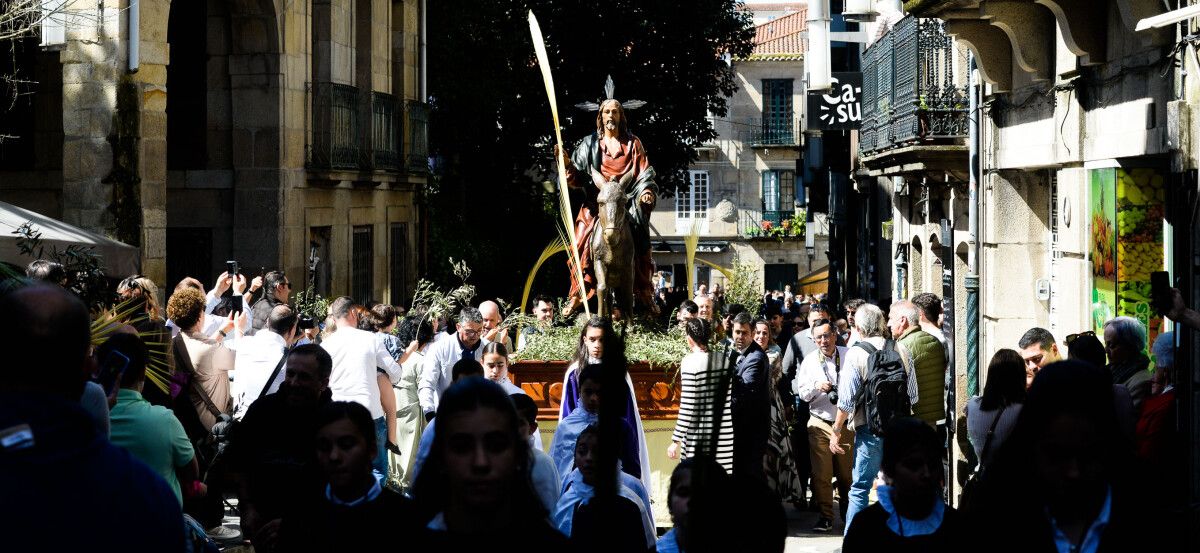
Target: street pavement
{"x": 801, "y": 538}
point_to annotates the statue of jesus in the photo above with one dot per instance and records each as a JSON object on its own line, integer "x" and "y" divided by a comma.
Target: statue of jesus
{"x": 613, "y": 151}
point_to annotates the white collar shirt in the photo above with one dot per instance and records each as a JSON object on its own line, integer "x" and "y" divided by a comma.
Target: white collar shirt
{"x": 815, "y": 369}
{"x": 257, "y": 356}
{"x": 436, "y": 369}
{"x": 356, "y": 356}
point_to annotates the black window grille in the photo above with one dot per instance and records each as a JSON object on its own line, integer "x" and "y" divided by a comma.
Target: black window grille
{"x": 362, "y": 265}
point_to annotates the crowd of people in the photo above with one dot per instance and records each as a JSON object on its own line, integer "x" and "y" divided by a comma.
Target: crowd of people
{"x": 327, "y": 434}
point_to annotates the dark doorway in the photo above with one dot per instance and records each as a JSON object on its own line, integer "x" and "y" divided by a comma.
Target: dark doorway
{"x": 776, "y": 275}
{"x": 319, "y": 263}
{"x": 189, "y": 254}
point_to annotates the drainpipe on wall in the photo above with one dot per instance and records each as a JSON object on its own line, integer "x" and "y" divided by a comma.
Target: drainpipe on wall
{"x": 421, "y": 53}
{"x": 971, "y": 282}
{"x": 134, "y": 14}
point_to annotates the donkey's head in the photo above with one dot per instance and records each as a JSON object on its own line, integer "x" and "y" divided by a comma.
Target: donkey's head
{"x": 611, "y": 200}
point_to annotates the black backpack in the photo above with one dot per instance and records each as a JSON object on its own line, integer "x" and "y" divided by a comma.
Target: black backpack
{"x": 884, "y": 393}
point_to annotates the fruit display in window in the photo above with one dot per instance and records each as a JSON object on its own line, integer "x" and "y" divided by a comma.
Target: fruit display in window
{"x": 1103, "y": 260}
{"x": 1138, "y": 260}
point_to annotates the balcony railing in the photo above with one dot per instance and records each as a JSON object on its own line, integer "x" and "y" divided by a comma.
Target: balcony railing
{"x": 909, "y": 93}
{"x": 416, "y": 115}
{"x": 753, "y": 223}
{"x": 775, "y": 132}
{"x": 335, "y": 127}
{"x": 356, "y": 130}
{"x": 385, "y": 131}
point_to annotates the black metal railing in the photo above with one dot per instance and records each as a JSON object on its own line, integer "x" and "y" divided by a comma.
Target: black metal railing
{"x": 416, "y": 115}
{"x": 753, "y": 223}
{"x": 775, "y": 132}
{"x": 335, "y": 126}
{"x": 385, "y": 131}
{"x": 909, "y": 92}
{"x": 353, "y": 129}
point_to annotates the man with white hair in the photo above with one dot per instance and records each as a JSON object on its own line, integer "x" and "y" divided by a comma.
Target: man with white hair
{"x": 928, "y": 361}
{"x": 704, "y": 306}
{"x": 1125, "y": 342}
{"x": 868, "y": 447}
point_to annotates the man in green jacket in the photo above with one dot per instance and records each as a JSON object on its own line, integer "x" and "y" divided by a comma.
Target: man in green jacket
{"x": 928, "y": 358}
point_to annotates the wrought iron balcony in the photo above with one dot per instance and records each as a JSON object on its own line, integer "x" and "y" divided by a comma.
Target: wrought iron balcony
{"x": 335, "y": 127}
{"x": 356, "y": 130}
{"x": 385, "y": 131}
{"x": 416, "y": 116}
{"x": 910, "y": 96}
{"x": 774, "y": 132}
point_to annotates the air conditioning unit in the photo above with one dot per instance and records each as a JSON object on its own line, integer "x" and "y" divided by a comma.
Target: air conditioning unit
{"x": 861, "y": 11}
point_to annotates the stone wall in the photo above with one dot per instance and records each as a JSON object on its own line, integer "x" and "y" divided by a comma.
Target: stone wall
{"x": 735, "y": 178}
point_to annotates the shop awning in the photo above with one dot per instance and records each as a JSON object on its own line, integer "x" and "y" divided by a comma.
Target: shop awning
{"x": 816, "y": 282}
{"x": 117, "y": 258}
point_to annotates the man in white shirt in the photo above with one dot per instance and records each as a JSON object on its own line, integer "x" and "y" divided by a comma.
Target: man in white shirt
{"x": 357, "y": 355}
{"x": 259, "y": 356}
{"x": 443, "y": 354}
{"x": 816, "y": 384}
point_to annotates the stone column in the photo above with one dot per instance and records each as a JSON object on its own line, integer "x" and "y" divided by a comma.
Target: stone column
{"x": 150, "y": 88}
{"x": 92, "y": 60}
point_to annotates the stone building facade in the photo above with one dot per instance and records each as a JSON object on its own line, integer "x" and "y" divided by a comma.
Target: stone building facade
{"x": 252, "y": 130}
{"x": 744, "y": 189}
{"x": 1075, "y": 107}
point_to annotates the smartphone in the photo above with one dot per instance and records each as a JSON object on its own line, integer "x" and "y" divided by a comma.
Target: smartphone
{"x": 1160, "y": 291}
{"x": 235, "y": 305}
{"x": 231, "y": 267}
{"x": 110, "y": 370}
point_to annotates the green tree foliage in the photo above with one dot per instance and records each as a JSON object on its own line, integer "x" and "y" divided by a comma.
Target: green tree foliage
{"x": 491, "y": 130}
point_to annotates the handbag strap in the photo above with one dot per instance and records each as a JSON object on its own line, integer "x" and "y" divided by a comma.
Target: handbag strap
{"x": 987, "y": 443}
{"x": 181, "y": 355}
{"x": 274, "y": 373}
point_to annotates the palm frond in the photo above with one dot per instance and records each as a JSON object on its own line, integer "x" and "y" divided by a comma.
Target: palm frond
{"x": 564, "y": 202}
{"x": 107, "y": 322}
{"x": 554, "y": 247}
{"x": 690, "y": 242}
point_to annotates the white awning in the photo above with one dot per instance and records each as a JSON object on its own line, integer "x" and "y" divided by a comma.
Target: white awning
{"x": 117, "y": 258}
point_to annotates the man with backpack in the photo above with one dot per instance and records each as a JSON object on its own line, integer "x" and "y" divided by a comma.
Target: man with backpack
{"x": 875, "y": 387}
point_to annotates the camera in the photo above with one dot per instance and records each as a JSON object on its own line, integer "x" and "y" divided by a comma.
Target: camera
{"x": 833, "y": 395}
{"x": 231, "y": 267}
{"x": 306, "y": 322}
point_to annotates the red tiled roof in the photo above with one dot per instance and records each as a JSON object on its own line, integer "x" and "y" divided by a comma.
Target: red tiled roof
{"x": 781, "y": 36}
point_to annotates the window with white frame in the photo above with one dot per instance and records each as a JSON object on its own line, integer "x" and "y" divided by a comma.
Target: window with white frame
{"x": 691, "y": 205}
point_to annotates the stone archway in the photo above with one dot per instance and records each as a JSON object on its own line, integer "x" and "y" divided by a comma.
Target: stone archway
{"x": 254, "y": 142}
